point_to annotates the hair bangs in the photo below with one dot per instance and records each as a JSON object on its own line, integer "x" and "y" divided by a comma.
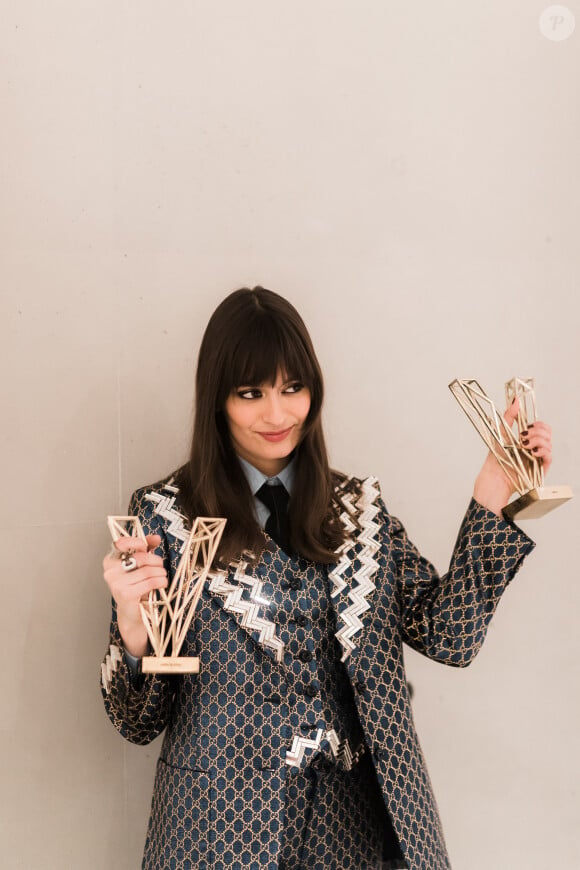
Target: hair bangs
{"x": 265, "y": 347}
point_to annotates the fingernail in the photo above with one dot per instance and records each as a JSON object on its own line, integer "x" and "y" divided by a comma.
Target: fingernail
{"x": 525, "y": 441}
{"x": 531, "y": 426}
{"x": 525, "y": 432}
{"x": 513, "y": 400}
{"x": 534, "y": 449}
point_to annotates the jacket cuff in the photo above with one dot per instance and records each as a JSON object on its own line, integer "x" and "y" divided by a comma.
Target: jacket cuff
{"x": 503, "y": 529}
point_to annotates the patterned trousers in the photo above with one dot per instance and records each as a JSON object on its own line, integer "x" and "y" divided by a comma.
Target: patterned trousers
{"x": 336, "y": 820}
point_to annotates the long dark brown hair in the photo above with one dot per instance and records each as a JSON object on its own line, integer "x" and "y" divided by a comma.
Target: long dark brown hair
{"x": 251, "y": 336}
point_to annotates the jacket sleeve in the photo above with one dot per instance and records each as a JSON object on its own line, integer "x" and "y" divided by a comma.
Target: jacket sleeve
{"x": 446, "y": 618}
{"x": 138, "y": 705}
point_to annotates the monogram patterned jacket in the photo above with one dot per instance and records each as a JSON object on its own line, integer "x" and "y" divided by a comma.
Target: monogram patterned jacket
{"x": 268, "y": 696}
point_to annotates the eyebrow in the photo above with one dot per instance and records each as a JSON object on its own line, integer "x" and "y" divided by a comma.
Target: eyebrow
{"x": 250, "y": 385}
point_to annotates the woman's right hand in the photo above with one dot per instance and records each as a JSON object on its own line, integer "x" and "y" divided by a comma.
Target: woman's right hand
{"x": 129, "y": 587}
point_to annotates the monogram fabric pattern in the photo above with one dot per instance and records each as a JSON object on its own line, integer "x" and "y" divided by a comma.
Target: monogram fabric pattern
{"x": 334, "y": 819}
{"x": 310, "y": 650}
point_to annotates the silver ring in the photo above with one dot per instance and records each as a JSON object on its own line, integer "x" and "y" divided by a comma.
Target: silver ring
{"x": 128, "y": 562}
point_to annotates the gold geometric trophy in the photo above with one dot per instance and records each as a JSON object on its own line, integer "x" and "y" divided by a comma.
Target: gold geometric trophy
{"x": 520, "y": 465}
{"x": 167, "y": 613}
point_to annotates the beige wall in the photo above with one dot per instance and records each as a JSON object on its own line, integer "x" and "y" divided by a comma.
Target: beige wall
{"x": 407, "y": 174}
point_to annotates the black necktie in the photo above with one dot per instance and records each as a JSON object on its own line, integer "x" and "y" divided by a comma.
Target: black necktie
{"x": 276, "y": 498}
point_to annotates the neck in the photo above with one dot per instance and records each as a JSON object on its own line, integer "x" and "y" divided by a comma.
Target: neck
{"x": 271, "y": 467}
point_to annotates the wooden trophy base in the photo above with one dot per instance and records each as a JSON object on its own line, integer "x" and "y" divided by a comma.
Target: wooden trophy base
{"x": 169, "y": 665}
{"x": 537, "y": 502}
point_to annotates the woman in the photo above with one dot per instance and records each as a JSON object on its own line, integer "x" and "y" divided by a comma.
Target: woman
{"x": 294, "y": 746}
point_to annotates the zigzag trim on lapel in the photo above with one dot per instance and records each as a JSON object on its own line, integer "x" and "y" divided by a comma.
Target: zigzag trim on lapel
{"x": 335, "y": 576}
{"x": 243, "y": 600}
{"x": 164, "y": 508}
{"x": 367, "y": 509}
{"x": 235, "y": 601}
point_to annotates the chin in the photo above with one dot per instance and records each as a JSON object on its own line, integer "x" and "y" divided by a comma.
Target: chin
{"x": 277, "y": 452}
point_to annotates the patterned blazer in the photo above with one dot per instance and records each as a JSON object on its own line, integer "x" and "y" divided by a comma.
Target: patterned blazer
{"x": 233, "y": 732}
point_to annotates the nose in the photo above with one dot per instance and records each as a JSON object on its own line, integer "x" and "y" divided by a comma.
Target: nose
{"x": 273, "y": 411}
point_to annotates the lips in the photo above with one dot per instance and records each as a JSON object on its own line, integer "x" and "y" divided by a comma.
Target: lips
{"x": 276, "y": 436}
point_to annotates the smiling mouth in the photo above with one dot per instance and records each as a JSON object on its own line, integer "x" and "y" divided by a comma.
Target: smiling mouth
{"x": 276, "y": 436}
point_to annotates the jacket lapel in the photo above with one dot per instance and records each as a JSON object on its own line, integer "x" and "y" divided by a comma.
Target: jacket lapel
{"x": 237, "y": 590}
{"x": 240, "y": 592}
{"x": 352, "y": 579}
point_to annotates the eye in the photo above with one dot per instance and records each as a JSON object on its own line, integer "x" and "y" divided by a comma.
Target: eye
{"x": 294, "y": 387}
{"x": 249, "y": 393}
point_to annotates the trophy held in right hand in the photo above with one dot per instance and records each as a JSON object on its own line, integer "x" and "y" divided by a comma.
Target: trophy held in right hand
{"x": 168, "y": 613}
{"x": 522, "y": 468}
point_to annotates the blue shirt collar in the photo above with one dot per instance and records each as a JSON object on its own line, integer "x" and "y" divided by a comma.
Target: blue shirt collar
{"x": 256, "y": 478}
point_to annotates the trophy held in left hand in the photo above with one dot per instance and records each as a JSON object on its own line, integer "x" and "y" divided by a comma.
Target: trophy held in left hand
{"x": 519, "y": 464}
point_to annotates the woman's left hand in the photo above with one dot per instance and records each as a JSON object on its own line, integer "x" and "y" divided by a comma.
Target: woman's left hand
{"x": 492, "y": 488}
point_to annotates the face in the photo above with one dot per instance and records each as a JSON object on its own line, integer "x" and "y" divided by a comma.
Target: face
{"x": 265, "y": 422}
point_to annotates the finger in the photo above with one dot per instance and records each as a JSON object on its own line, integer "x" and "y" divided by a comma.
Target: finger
{"x": 118, "y": 576}
{"x": 142, "y": 559}
{"x": 540, "y": 426}
{"x": 115, "y": 554}
{"x": 536, "y": 435}
{"x": 137, "y": 588}
{"x": 541, "y": 452}
{"x": 511, "y": 412}
{"x": 153, "y": 541}
{"x": 124, "y": 544}
{"x": 133, "y": 594}
{"x": 145, "y": 559}
{"x": 129, "y": 585}
{"x": 545, "y": 462}
{"x": 530, "y": 441}
{"x": 542, "y": 455}
{"x": 540, "y": 429}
